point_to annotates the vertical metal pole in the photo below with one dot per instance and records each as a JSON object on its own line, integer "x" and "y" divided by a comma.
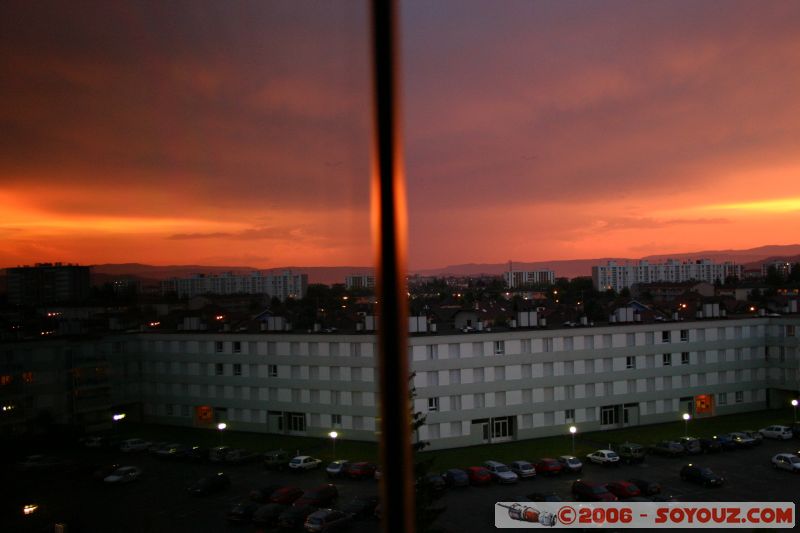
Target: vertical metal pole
{"x": 389, "y": 227}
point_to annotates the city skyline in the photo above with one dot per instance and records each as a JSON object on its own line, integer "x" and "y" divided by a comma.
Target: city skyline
{"x": 539, "y": 131}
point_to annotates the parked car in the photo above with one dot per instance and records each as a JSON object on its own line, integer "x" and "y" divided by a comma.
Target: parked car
{"x": 433, "y": 481}
{"x": 261, "y": 495}
{"x": 242, "y": 511}
{"x": 756, "y": 436}
{"x": 100, "y": 472}
{"x": 742, "y": 440}
{"x": 701, "y": 475}
{"x": 304, "y": 462}
{"x": 361, "y": 506}
{"x": 522, "y": 469}
{"x": 361, "y": 470}
{"x": 218, "y": 454}
{"x": 295, "y": 517}
{"x": 500, "y": 472}
{"x": 544, "y": 497}
{"x": 669, "y": 448}
{"x": 604, "y": 457}
{"x": 786, "y": 461}
{"x": 39, "y": 463}
{"x": 591, "y": 491}
{"x": 134, "y": 445}
{"x": 570, "y": 463}
{"x": 276, "y": 460}
{"x": 727, "y": 442}
{"x": 479, "y": 475}
{"x": 623, "y": 489}
{"x": 647, "y": 488}
{"x": 327, "y": 520}
{"x": 123, "y": 474}
{"x": 630, "y": 452}
{"x": 776, "y": 432}
{"x": 455, "y": 477}
{"x": 267, "y": 515}
{"x": 155, "y": 446}
{"x": 241, "y": 456}
{"x": 691, "y": 445}
{"x": 711, "y": 444}
{"x": 337, "y": 468}
{"x": 209, "y": 484}
{"x": 94, "y": 442}
{"x": 286, "y": 495}
{"x": 321, "y": 496}
{"x": 173, "y": 450}
{"x": 548, "y": 466}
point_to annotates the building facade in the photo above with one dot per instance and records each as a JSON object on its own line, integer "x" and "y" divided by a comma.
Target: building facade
{"x": 282, "y": 286}
{"x": 359, "y": 282}
{"x": 474, "y": 388}
{"x": 48, "y": 283}
{"x": 618, "y": 277}
{"x": 524, "y": 278}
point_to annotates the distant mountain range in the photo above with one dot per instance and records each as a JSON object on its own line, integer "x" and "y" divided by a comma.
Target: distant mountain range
{"x": 751, "y": 258}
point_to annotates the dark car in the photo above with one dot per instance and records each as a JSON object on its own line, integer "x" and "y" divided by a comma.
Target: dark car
{"x": 295, "y": 517}
{"x": 544, "y": 497}
{"x": 691, "y": 445}
{"x": 669, "y": 448}
{"x": 701, "y": 475}
{"x": 591, "y": 491}
{"x": 623, "y": 489}
{"x": 434, "y": 482}
{"x": 241, "y": 456}
{"x": 242, "y": 511}
{"x": 758, "y": 437}
{"x": 100, "y": 472}
{"x": 197, "y": 454}
{"x": 630, "y": 452}
{"x": 455, "y": 477}
{"x": 727, "y": 442}
{"x": 648, "y": 488}
{"x": 321, "y": 496}
{"x": 548, "y": 466}
{"x": 360, "y": 470}
{"x": 173, "y": 451}
{"x": 262, "y": 494}
{"x": 276, "y": 460}
{"x": 210, "y": 484}
{"x": 361, "y": 506}
{"x": 742, "y": 440}
{"x": 479, "y": 475}
{"x": 286, "y": 495}
{"x": 711, "y": 445}
{"x": 267, "y": 515}
{"x": 327, "y": 520}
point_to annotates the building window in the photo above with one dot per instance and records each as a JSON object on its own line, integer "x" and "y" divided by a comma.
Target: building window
{"x": 666, "y": 359}
{"x": 569, "y": 415}
{"x": 336, "y": 420}
{"x": 185, "y": 410}
{"x": 237, "y": 369}
{"x": 218, "y": 346}
{"x": 237, "y": 347}
{"x": 433, "y": 404}
{"x": 27, "y": 377}
{"x": 630, "y": 362}
{"x": 739, "y": 396}
{"x": 499, "y": 347}
{"x": 684, "y": 335}
{"x": 355, "y": 350}
{"x": 169, "y": 409}
{"x": 790, "y": 331}
{"x": 433, "y": 351}
{"x": 502, "y": 427}
{"x": 722, "y": 398}
{"x": 526, "y": 346}
{"x": 219, "y": 369}
{"x": 297, "y": 422}
{"x": 5, "y": 379}
{"x": 608, "y": 415}
{"x": 272, "y": 371}
{"x": 685, "y": 358}
{"x": 665, "y": 336}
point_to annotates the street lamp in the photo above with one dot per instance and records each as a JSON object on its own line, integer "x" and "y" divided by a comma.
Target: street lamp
{"x": 221, "y": 427}
{"x": 333, "y": 436}
{"x": 119, "y": 416}
{"x": 573, "y": 430}
{"x": 794, "y": 406}
{"x": 686, "y": 418}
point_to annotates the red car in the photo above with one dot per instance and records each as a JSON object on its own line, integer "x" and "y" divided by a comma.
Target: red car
{"x": 322, "y": 496}
{"x": 549, "y": 466}
{"x": 591, "y": 491}
{"x": 623, "y": 489}
{"x": 285, "y": 495}
{"x": 361, "y": 470}
{"x": 479, "y": 475}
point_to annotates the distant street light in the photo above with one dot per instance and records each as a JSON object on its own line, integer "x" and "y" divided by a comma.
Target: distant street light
{"x": 573, "y": 430}
{"x": 117, "y": 417}
{"x": 221, "y": 427}
{"x": 333, "y": 436}
{"x": 794, "y": 406}
{"x": 686, "y": 418}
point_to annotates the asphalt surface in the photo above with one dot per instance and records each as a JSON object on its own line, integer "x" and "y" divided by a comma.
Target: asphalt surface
{"x": 158, "y": 501}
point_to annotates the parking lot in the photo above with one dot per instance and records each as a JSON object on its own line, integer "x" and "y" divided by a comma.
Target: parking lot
{"x": 158, "y": 501}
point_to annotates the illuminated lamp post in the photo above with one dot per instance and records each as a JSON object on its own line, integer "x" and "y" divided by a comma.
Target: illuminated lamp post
{"x": 573, "y": 430}
{"x": 333, "y": 436}
{"x": 686, "y": 418}
{"x": 221, "y": 427}
{"x": 794, "y": 406}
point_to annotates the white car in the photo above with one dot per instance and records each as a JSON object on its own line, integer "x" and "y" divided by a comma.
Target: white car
{"x": 304, "y": 462}
{"x": 571, "y": 463}
{"x": 786, "y": 461}
{"x": 134, "y": 445}
{"x": 124, "y": 474}
{"x": 776, "y": 432}
{"x": 500, "y": 472}
{"x": 337, "y": 468}
{"x": 604, "y": 457}
{"x": 523, "y": 469}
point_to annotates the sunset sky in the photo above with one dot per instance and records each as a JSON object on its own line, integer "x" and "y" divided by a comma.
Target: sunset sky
{"x": 238, "y": 133}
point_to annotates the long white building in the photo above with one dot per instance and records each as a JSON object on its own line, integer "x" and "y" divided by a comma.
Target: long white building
{"x": 524, "y": 278}
{"x": 618, "y": 277}
{"x": 284, "y": 285}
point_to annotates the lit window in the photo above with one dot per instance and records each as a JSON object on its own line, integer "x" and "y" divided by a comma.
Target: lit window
{"x": 5, "y": 379}
{"x": 27, "y": 377}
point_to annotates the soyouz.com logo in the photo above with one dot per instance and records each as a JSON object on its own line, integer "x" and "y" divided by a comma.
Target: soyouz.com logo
{"x": 644, "y": 515}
